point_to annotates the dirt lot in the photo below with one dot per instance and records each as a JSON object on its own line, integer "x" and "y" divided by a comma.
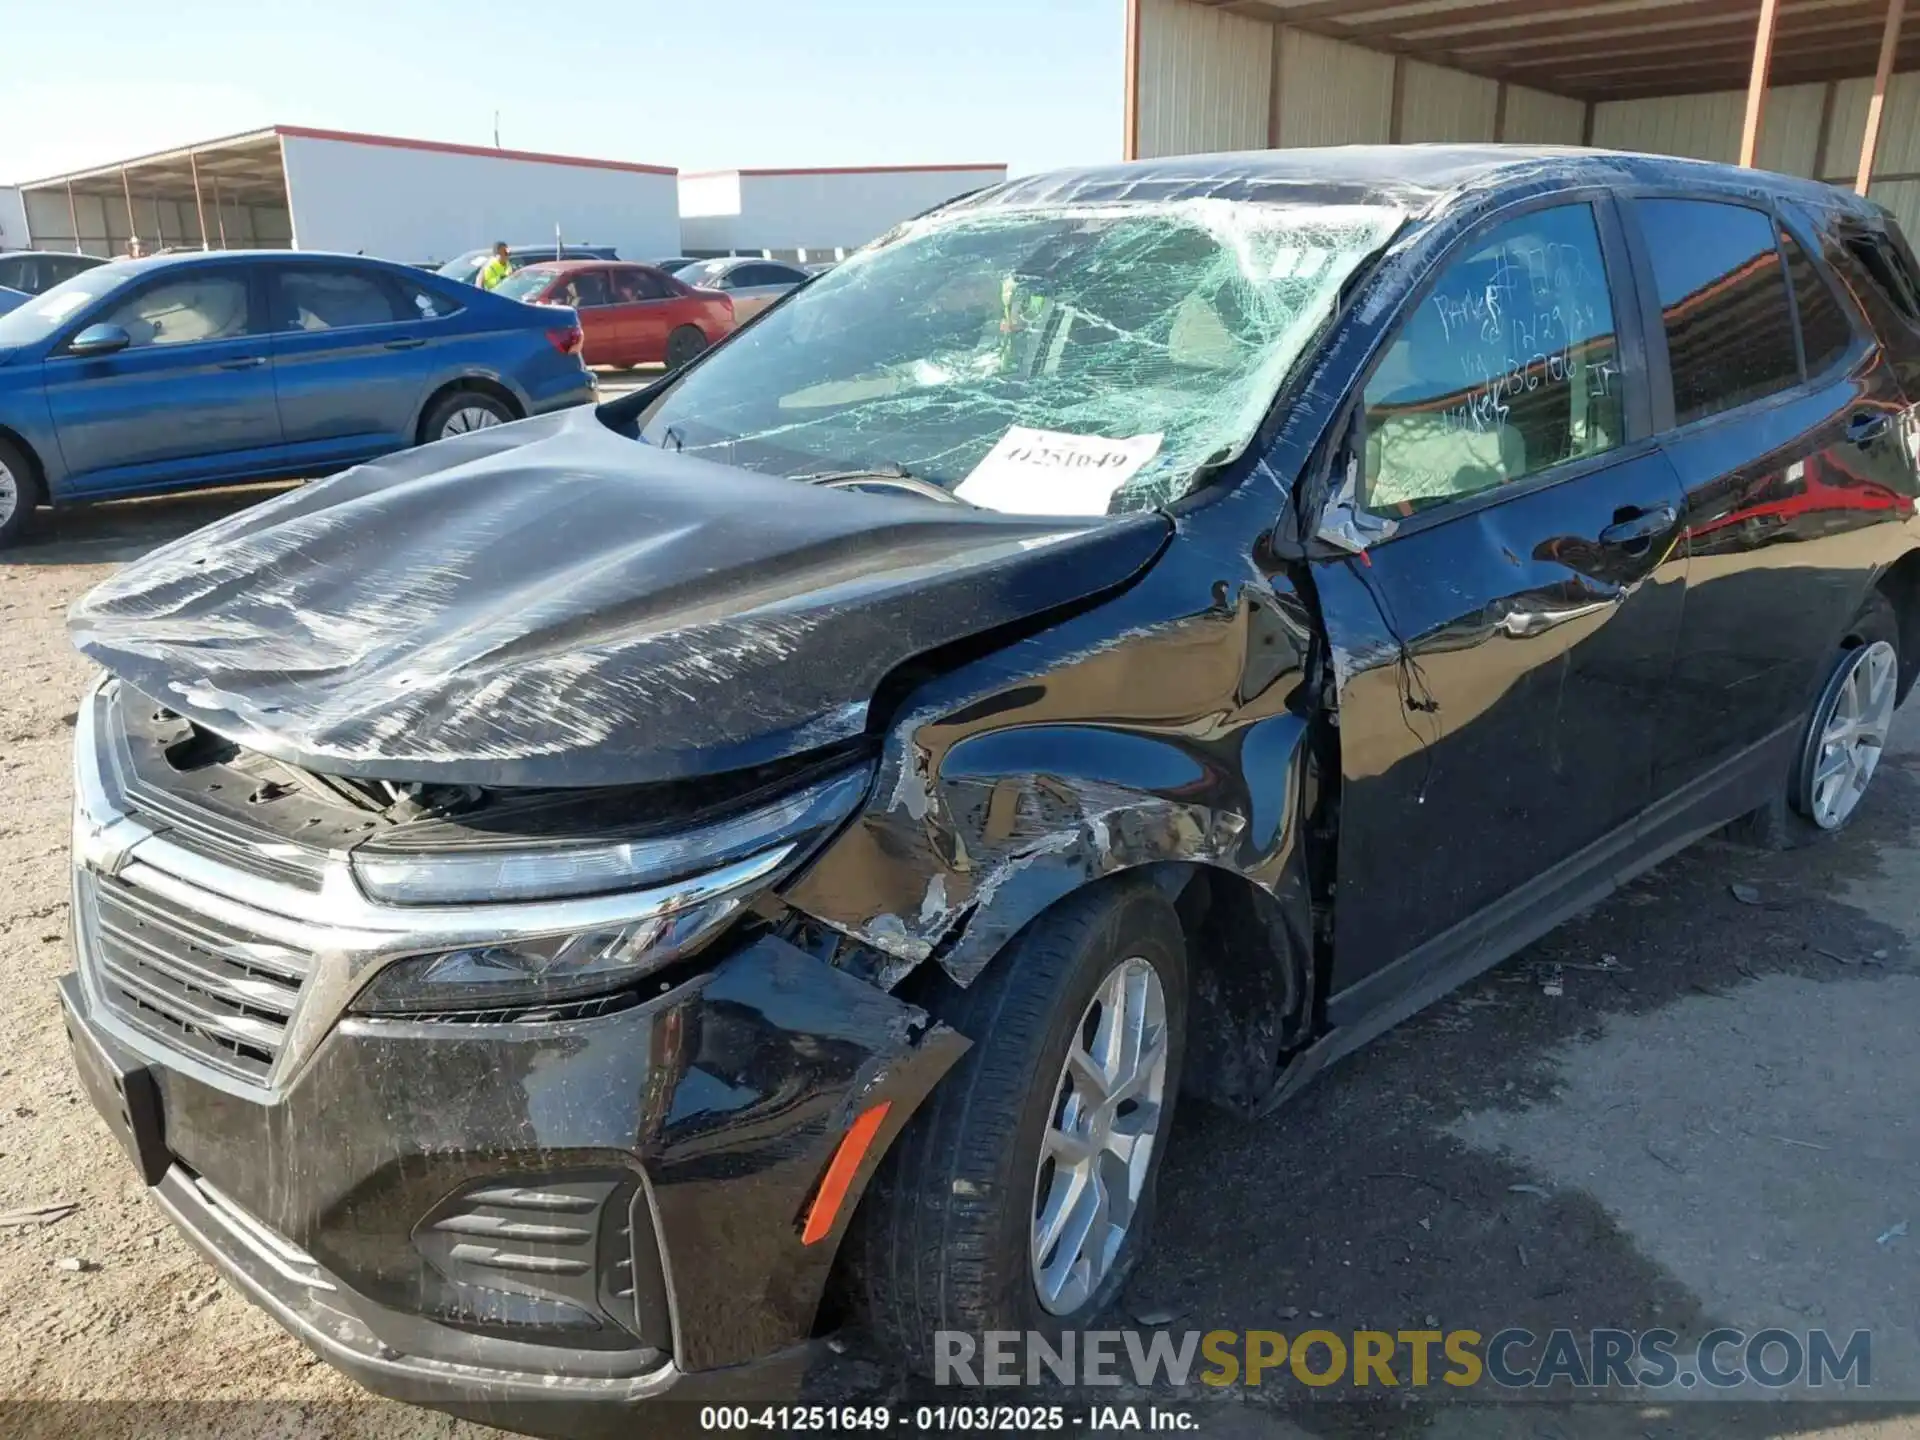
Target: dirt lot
{"x": 1707, "y": 1096}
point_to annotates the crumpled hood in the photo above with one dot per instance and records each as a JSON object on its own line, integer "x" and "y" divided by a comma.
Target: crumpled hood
{"x": 551, "y": 603}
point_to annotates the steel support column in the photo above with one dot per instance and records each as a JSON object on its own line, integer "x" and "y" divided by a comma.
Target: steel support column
{"x": 1876, "y": 106}
{"x": 1757, "y": 82}
{"x": 199, "y": 208}
{"x": 133, "y": 226}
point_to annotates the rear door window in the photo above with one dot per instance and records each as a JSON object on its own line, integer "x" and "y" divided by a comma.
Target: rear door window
{"x": 1825, "y": 335}
{"x": 1509, "y": 367}
{"x": 1723, "y": 302}
{"x": 585, "y": 290}
{"x": 314, "y": 298}
{"x": 1888, "y": 267}
{"x": 633, "y": 286}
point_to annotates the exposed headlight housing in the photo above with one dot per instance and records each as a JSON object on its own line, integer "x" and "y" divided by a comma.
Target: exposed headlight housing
{"x": 683, "y": 891}
{"x": 516, "y": 870}
{"x": 538, "y": 970}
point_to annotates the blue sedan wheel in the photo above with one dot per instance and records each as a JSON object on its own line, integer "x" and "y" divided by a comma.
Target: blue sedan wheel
{"x": 464, "y": 411}
{"x": 19, "y": 491}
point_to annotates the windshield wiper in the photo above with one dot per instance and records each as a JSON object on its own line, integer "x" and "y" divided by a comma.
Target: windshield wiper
{"x": 872, "y": 472}
{"x": 896, "y": 476}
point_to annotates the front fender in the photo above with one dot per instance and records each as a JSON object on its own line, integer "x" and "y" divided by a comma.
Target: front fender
{"x": 1182, "y": 741}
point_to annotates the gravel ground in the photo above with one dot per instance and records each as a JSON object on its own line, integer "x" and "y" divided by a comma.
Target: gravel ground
{"x": 1706, "y": 1095}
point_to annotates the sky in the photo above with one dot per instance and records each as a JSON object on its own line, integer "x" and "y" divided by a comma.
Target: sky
{"x": 1033, "y": 83}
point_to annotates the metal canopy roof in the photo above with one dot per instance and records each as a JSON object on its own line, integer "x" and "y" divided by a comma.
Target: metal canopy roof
{"x": 1607, "y": 49}
{"x": 244, "y": 169}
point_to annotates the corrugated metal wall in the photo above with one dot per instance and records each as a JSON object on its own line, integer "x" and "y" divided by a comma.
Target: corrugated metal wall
{"x": 1441, "y": 104}
{"x": 1707, "y": 127}
{"x": 1210, "y": 80}
{"x": 1536, "y": 118}
{"x": 1204, "y": 79}
{"x": 1213, "y": 80}
{"x": 1329, "y": 92}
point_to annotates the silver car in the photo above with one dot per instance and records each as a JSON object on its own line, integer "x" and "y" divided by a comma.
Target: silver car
{"x": 751, "y": 283}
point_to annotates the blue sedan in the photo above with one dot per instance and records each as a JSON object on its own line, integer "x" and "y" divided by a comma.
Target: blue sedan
{"x": 193, "y": 370}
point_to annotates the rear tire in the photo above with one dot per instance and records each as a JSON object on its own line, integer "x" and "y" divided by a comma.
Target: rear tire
{"x": 683, "y": 345}
{"x": 953, "y": 1234}
{"x": 460, "y": 411}
{"x": 1835, "y": 758}
{"x": 20, "y": 491}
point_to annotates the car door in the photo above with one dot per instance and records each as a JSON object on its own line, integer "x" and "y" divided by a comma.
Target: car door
{"x": 647, "y": 314}
{"x": 1779, "y": 415}
{"x": 190, "y": 398}
{"x": 1500, "y": 648}
{"x": 756, "y": 285}
{"x": 590, "y": 296}
{"x": 352, "y": 355}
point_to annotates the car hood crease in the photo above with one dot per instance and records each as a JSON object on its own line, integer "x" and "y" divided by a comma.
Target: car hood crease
{"x": 552, "y": 603}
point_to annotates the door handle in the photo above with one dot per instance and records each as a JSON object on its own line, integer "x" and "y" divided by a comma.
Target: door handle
{"x": 244, "y": 362}
{"x": 1635, "y": 528}
{"x": 413, "y": 343}
{"x": 1867, "y": 426}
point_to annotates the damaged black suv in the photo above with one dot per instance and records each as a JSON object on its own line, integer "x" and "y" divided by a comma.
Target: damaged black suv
{"x": 567, "y": 914}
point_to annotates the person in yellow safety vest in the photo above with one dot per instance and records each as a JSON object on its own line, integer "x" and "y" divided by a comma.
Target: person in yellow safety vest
{"x": 496, "y": 269}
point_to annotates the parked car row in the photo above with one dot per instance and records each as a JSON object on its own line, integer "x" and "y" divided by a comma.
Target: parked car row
{"x": 203, "y": 369}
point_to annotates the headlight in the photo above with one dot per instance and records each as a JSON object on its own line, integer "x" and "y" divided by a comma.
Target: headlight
{"x": 671, "y": 896}
{"x": 547, "y": 969}
{"x": 515, "y": 870}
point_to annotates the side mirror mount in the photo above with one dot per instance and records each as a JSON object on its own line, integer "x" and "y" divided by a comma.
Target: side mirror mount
{"x": 99, "y": 340}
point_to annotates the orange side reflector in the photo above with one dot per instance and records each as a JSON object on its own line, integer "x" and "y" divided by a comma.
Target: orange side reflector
{"x": 840, "y": 1172}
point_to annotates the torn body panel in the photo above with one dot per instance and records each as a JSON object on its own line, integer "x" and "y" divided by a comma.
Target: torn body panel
{"x": 1167, "y": 726}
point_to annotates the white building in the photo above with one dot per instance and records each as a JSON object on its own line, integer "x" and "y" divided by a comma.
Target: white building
{"x": 13, "y": 219}
{"x": 1653, "y": 75}
{"x": 410, "y": 200}
{"x": 813, "y": 214}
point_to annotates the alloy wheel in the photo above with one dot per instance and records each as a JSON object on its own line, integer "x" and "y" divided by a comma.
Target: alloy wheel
{"x": 468, "y": 417}
{"x": 9, "y": 493}
{"x": 1850, "y": 730}
{"x": 1109, "y": 1100}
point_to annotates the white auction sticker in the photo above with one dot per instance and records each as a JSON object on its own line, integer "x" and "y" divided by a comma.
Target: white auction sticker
{"x": 1045, "y": 472}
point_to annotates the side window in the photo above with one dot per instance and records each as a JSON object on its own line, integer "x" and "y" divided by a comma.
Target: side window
{"x": 314, "y": 299}
{"x": 1723, "y": 298}
{"x": 197, "y": 306}
{"x": 587, "y": 289}
{"x": 1889, "y": 271}
{"x": 632, "y": 286}
{"x": 1825, "y": 334}
{"x": 420, "y": 303}
{"x": 1509, "y": 367}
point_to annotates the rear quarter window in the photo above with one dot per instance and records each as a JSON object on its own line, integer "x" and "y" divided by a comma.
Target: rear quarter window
{"x": 1888, "y": 270}
{"x": 1825, "y": 334}
{"x": 1724, "y": 304}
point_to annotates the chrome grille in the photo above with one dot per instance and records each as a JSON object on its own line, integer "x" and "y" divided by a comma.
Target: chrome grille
{"x": 195, "y": 984}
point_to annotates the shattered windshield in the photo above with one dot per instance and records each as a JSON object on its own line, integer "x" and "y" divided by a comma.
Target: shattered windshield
{"x": 1057, "y": 360}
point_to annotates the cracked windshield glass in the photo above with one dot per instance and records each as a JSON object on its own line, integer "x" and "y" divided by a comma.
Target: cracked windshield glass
{"x": 1063, "y": 360}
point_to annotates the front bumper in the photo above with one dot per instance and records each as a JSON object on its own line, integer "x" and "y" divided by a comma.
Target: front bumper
{"x": 390, "y": 1205}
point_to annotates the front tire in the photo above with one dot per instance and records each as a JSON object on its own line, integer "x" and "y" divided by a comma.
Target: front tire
{"x": 1021, "y": 1195}
{"x": 20, "y": 491}
{"x": 1842, "y": 742}
{"x": 461, "y": 411}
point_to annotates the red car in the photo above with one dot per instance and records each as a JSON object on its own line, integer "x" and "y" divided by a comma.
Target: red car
{"x": 631, "y": 314}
